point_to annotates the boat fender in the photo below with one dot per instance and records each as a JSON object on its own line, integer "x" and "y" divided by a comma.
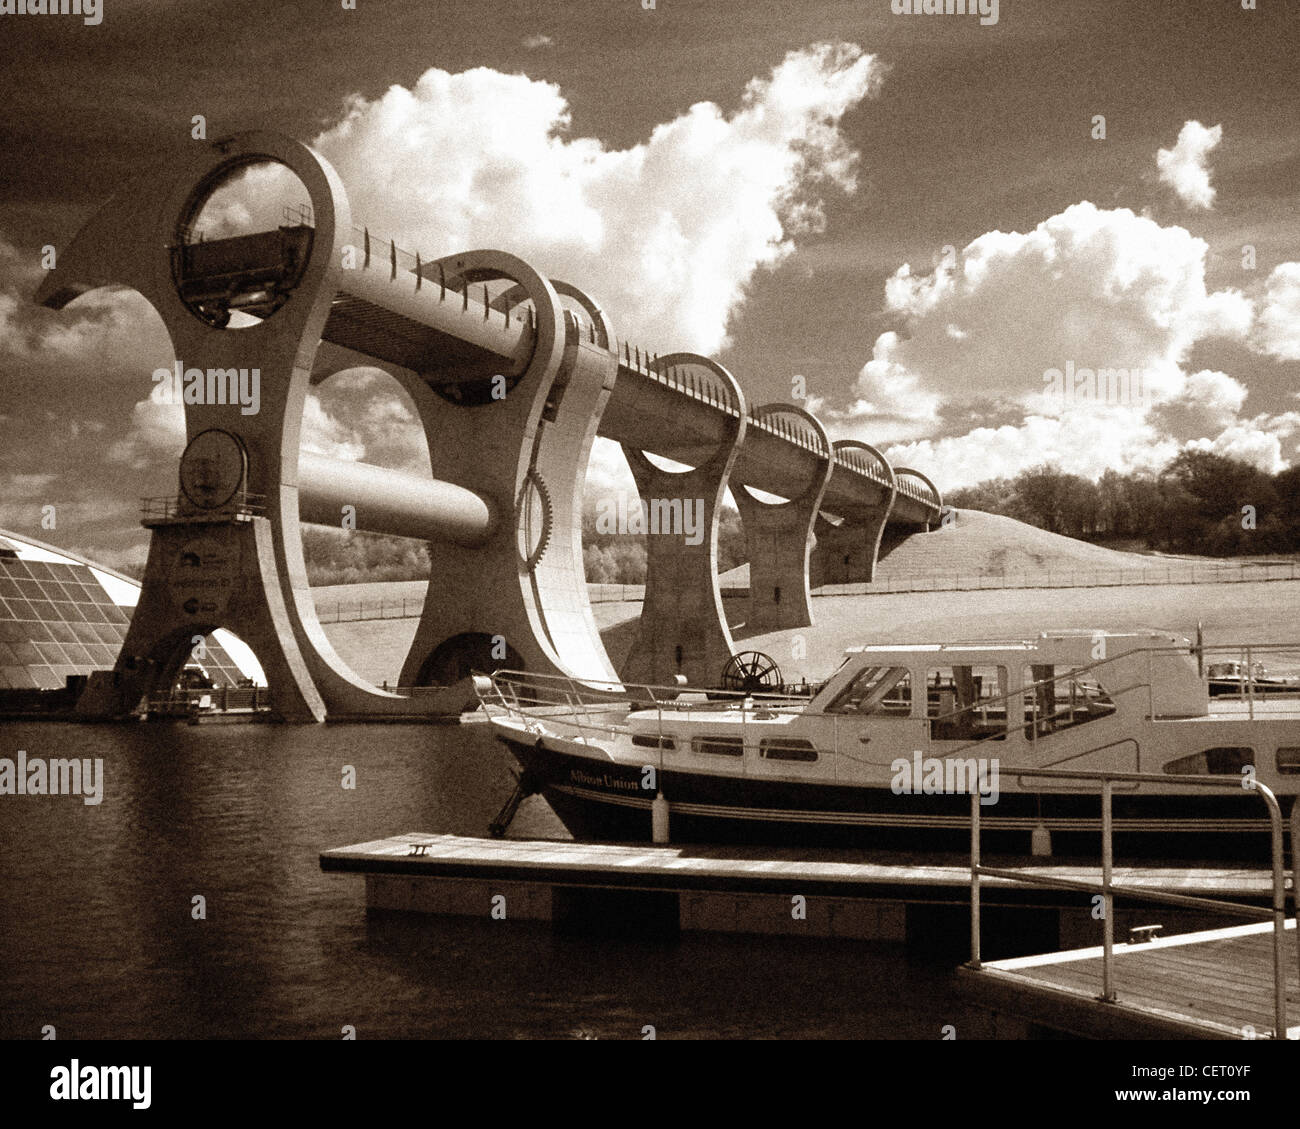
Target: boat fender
{"x": 659, "y": 819}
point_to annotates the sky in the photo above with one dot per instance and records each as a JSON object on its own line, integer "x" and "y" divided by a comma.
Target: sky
{"x": 914, "y": 222}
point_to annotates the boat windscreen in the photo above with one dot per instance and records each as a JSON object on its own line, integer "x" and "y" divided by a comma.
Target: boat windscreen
{"x": 883, "y": 689}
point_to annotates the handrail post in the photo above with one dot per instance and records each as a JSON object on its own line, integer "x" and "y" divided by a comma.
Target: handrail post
{"x": 1279, "y": 901}
{"x": 1108, "y": 896}
{"x": 975, "y": 878}
{"x": 1250, "y": 684}
{"x": 1295, "y": 871}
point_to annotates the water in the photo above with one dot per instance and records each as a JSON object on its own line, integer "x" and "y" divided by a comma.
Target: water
{"x": 98, "y": 939}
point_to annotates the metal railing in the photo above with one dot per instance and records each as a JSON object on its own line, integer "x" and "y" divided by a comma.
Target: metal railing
{"x": 174, "y": 507}
{"x": 1156, "y": 575}
{"x": 1107, "y": 888}
{"x": 585, "y": 706}
{"x": 220, "y": 699}
{"x": 1152, "y": 575}
{"x": 403, "y": 608}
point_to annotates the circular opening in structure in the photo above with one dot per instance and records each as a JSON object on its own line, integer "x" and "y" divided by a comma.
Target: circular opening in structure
{"x": 243, "y": 242}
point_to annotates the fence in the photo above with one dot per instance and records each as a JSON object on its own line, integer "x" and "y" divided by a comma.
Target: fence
{"x": 406, "y": 608}
{"x": 1173, "y": 573}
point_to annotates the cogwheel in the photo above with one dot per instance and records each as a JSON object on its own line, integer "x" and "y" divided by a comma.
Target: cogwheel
{"x": 534, "y": 481}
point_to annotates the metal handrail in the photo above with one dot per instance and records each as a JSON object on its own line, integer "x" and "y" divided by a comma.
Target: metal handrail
{"x": 1107, "y": 886}
{"x": 242, "y": 503}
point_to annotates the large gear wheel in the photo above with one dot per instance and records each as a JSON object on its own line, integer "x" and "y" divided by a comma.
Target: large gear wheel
{"x": 534, "y": 484}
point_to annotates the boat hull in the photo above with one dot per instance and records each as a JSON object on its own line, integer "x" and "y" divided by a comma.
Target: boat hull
{"x": 601, "y": 800}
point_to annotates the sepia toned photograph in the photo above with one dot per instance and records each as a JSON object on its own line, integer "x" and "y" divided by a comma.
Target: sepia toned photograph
{"x": 635, "y": 520}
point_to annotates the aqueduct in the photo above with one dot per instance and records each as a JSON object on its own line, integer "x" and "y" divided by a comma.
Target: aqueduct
{"x": 513, "y": 376}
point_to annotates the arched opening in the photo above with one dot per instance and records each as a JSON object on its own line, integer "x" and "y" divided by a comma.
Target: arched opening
{"x": 203, "y": 670}
{"x": 242, "y": 243}
{"x": 368, "y": 585}
{"x": 460, "y": 656}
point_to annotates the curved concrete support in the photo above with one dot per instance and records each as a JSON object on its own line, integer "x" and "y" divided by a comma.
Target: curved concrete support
{"x": 779, "y": 537}
{"x": 510, "y": 374}
{"x": 909, "y": 472}
{"x": 162, "y": 634}
{"x": 130, "y": 242}
{"x": 683, "y": 629}
{"x": 847, "y": 553}
{"x": 523, "y": 590}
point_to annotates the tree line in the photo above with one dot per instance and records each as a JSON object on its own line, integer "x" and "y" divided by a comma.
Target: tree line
{"x": 1199, "y": 502}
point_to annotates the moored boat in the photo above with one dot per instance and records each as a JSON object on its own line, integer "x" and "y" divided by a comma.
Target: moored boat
{"x": 888, "y": 751}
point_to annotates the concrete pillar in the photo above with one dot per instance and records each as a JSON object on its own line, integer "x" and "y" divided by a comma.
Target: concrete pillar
{"x": 911, "y": 472}
{"x": 683, "y": 629}
{"x": 846, "y": 551}
{"x": 779, "y": 536}
{"x": 202, "y": 575}
{"x": 520, "y": 596}
{"x": 222, "y": 553}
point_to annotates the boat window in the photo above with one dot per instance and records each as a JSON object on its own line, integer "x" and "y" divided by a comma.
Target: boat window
{"x": 881, "y": 690}
{"x": 719, "y": 746}
{"x": 644, "y": 741}
{"x": 1288, "y": 759}
{"x": 1061, "y": 701}
{"x": 1223, "y": 760}
{"x": 966, "y": 703}
{"x": 786, "y": 749}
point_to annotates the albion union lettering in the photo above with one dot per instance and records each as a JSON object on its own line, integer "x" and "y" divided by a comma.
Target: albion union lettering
{"x": 577, "y": 776}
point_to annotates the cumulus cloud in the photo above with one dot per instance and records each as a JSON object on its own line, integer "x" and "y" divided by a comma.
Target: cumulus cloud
{"x": 1207, "y": 402}
{"x": 533, "y": 42}
{"x": 1183, "y": 167}
{"x": 1277, "y": 328}
{"x": 665, "y": 234}
{"x": 1081, "y": 442}
{"x": 359, "y": 417}
{"x": 1103, "y": 298}
{"x": 1261, "y": 441}
{"x": 1102, "y": 288}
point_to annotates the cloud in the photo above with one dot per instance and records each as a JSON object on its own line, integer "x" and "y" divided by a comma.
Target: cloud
{"x": 1183, "y": 167}
{"x": 533, "y": 42}
{"x": 665, "y": 235}
{"x": 964, "y": 388}
{"x": 1080, "y": 442}
{"x": 1207, "y": 402}
{"x": 1277, "y": 328}
{"x": 1090, "y": 287}
{"x": 1259, "y": 441}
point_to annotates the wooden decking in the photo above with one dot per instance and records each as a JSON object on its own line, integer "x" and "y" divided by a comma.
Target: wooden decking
{"x": 1216, "y": 984}
{"x": 759, "y": 869}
